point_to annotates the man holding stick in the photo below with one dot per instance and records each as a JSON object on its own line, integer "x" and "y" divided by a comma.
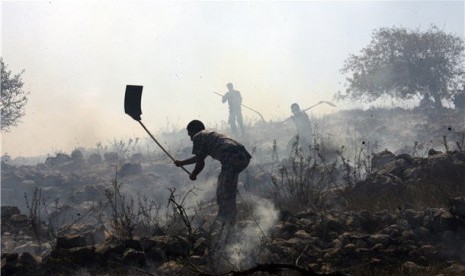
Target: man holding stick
{"x": 234, "y": 99}
{"x": 234, "y": 159}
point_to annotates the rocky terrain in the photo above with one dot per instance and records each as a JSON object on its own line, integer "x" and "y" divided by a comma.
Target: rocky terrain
{"x": 386, "y": 196}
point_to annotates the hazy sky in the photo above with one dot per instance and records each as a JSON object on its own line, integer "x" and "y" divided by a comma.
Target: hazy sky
{"x": 78, "y": 57}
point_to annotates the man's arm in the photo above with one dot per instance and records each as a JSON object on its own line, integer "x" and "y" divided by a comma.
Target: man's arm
{"x": 199, "y": 165}
{"x": 225, "y": 97}
{"x": 188, "y": 161}
{"x": 199, "y": 161}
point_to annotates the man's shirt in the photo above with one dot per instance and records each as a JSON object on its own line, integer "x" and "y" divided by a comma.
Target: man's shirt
{"x": 217, "y": 145}
{"x": 303, "y": 125}
{"x": 234, "y": 99}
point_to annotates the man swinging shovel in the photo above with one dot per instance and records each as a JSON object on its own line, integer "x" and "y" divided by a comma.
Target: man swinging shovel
{"x": 132, "y": 99}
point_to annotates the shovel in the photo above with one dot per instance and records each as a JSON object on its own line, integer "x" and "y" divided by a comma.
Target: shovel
{"x": 320, "y": 102}
{"x": 132, "y": 99}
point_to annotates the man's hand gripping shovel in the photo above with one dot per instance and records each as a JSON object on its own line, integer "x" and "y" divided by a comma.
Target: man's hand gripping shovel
{"x": 132, "y": 100}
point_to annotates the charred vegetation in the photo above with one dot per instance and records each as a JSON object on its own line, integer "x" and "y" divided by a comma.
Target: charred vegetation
{"x": 378, "y": 192}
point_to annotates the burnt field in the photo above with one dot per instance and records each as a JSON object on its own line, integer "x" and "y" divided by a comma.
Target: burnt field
{"x": 381, "y": 192}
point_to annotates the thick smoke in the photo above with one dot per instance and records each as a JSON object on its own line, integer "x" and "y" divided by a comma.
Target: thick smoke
{"x": 244, "y": 249}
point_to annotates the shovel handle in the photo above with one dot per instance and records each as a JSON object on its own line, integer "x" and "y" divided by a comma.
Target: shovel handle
{"x": 167, "y": 153}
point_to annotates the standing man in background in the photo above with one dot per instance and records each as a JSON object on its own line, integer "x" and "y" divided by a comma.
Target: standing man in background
{"x": 234, "y": 99}
{"x": 303, "y": 126}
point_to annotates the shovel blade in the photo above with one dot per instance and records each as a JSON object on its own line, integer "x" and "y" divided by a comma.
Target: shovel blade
{"x": 132, "y": 99}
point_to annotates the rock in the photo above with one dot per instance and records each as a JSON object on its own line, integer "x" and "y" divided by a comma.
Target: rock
{"x": 19, "y": 221}
{"x": 130, "y": 169}
{"x": 296, "y": 243}
{"x": 412, "y": 217}
{"x": 379, "y": 160}
{"x": 384, "y": 217}
{"x": 82, "y": 256}
{"x": 90, "y": 193}
{"x": 440, "y": 220}
{"x": 172, "y": 246}
{"x": 8, "y": 211}
{"x": 200, "y": 246}
{"x": 433, "y": 152}
{"x": 284, "y": 230}
{"x": 70, "y": 241}
{"x": 367, "y": 221}
{"x": 307, "y": 215}
{"x": 350, "y": 247}
{"x": 156, "y": 255}
{"x": 59, "y": 160}
{"x": 133, "y": 256}
{"x": 26, "y": 264}
{"x": 63, "y": 215}
{"x": 197, "y": 260}
{"x": 377, "y": 247}
{"x": 396, "y": 167}
{"x": 90, "y": 234}
{"x": 429, "y": 250}
{"x": 407, "y": 157}
{"x": 94, "y": 159}
{"x": 408, "y": 235}
{"x": 456, "y": 207}
{"x": 9, "y": 263}
{"x": 448, "y": 236}
{"x": 77, "y": 156}
{"x": 421, "y": 233}
{"x": 412, "y": 267}
{"x": 110, "y": 247}
{"x": 379, "y": 239}
{"x": 285, "y": 215}
{"x": 171, "y": 268}
{"x": 361, "y": 244}
{"x": 29, "y": 246}
{"x": 10, "y": 257}
{"x": 392, "y": 230}
{"x": 133, "y": 243}
{"x": 333, "y": 225}
{"x": 302, "y": 234}
{"x": 455, "y": 269}
{"x": 28, "y": 259}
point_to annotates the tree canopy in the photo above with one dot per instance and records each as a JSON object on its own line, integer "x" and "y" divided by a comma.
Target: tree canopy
{"x": 14, "y": 98}
{"x": 402, "y": 64}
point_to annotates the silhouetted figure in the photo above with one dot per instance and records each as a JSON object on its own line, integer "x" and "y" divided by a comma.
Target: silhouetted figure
{"x": 234, "y": 159}
{"x": 234, "y": 99}
{"x": 302, "y": 125}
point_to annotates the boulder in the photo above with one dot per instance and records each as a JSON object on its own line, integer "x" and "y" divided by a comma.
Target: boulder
{"x": 70, "y": 241}
{"x": 77, "y": 156}
{"x": 8, "y": 211}
{"x": 130, "y": 169}
{"x": 456, "y": 207}
{"x": 94, "y": 159}
{"x": 133, "y": 257}
{"x": 379, "y": 160}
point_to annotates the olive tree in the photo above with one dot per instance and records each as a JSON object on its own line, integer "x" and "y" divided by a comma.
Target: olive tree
{"x": 13, "y": 99}
{"x": 403, "y": 64}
